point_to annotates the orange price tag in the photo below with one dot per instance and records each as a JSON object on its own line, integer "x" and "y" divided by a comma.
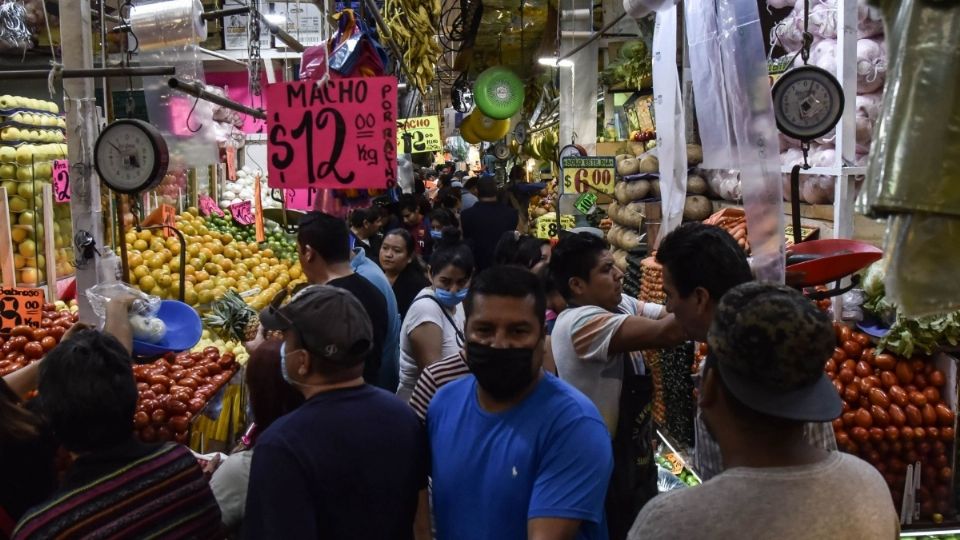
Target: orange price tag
{"x": 231, "y": 163}
{"x": 258, "y": 211}
{"x": 163, "y": 215}
{"x": 20, "y": 306}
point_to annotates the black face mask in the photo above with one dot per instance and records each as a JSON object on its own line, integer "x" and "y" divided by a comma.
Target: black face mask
{"x": 503, "y": 373}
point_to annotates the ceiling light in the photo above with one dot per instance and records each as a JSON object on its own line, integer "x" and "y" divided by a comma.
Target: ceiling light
{"x": 553, "y": 62}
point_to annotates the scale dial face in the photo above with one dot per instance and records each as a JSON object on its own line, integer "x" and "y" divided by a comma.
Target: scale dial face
{"x": 572, "y": 150}
{"x": 131, "y": 156}
{"x": 807, "y": 102}
{"x": 501, "y": 151}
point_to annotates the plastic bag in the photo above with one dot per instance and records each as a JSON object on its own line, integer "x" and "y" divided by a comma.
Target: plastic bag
{"x": 667, "y": 481}
{"x": 914, "y": 172}
{"x": 101, "y": 294}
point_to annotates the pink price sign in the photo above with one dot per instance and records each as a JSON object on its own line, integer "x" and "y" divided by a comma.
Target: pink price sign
{"x": 242, "y": 213}
{"x": 338, "y": 135}
{"x": 301, "y": 199}
{"x": 61, "y": 181}
{"x": 208, "y": 206}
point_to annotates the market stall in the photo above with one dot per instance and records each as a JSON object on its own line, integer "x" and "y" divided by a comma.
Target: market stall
{"x": 175, "y": 144}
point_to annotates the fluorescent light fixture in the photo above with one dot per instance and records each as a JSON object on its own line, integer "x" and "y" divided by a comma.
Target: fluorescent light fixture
{"x": 553, "y": 62}
{"x": 275, "y": 18}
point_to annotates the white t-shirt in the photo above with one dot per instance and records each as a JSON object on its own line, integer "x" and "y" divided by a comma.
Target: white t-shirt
{"x": 229, "y": 484}
{"x": 840, "y": 497}
{"x": 423, "y": 312}
{"x": 580, "y": 341}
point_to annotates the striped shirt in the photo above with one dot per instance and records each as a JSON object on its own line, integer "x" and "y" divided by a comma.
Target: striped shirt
{"x": 131, "y": 491}
{"x": 432, "y": 379}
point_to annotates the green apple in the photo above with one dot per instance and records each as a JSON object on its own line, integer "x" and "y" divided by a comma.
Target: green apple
{"x": 8, "y": 170}
{"x": 25, "y": 154}
{"x": 10, "y": 186}
{"x": 10, "y": 133}
{"x": 8, "y": 154}
{"x": 25, "y": 173}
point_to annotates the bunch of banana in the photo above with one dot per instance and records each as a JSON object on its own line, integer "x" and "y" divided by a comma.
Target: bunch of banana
{"x": 413, "y": 27}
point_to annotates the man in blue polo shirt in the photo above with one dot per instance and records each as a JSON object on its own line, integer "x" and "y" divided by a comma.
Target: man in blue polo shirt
{"x": 516, "y": 453}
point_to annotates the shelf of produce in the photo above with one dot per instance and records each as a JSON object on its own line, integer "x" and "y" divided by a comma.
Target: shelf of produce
{"x": 821, "y": 216}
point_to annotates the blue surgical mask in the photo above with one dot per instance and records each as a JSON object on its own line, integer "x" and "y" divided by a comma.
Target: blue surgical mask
{"x": 450, "y": 299}
{"x": 436, "y": 235}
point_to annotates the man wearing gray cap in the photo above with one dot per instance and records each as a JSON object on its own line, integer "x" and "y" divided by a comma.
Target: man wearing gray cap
{"x": 348, "y": 463}
{"x": 762, "y": 380}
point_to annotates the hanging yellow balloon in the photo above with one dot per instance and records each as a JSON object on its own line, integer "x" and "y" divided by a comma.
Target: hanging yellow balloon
{"x": 489, "y": 129}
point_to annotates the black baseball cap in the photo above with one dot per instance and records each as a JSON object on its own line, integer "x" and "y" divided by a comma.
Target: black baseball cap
{"x": 769, "y": 344}
{"x": 331, "y": 322}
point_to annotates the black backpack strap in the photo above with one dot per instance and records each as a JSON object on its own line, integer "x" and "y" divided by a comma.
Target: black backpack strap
{"x": 461, "y": 340}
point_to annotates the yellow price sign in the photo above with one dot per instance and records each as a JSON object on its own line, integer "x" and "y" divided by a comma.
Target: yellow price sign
{"x": 547, "y": 225}
{"x": 424, "y": 133}
{"x": 583, "y": 174}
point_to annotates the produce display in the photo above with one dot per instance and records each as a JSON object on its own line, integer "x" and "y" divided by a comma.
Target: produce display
{"x": 678, "y": 392}
{"x": 243, "y": 189}
{"x": 413, "y": 24}
{"x": 895, "y": 414}
{"x": 215, "y": 263}
{"x": 283, "y": 245}
{"x": 734, "y": 221}
{"x": 175, "y": 388}
{"x": 651, "y": 290}
{"x": 31, "y": 138}
{"x": 906, "y": 335}
{"x": 24, "y": 344}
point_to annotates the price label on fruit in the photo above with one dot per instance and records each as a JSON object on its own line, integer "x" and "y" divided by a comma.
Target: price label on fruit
{"x": 340, "y": 135}
{"x": 547, "y": 225}
{"x": 61, "y": 181}
{"x": 242, "y": 213}
{"x": 583, "y": 174}
{"x": 208, "y": 206}
{"x": 424, "y": 133}
{"x": 20, "y": 306}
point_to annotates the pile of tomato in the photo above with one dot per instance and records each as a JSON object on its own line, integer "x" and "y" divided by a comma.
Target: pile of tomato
{"x": 895, "y": 415}
{"x": 25, "y": 344}
{"x": 175, "y": 388}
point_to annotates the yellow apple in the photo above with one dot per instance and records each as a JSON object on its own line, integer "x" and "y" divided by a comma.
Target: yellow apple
{"x": 25, "y": 154}
{"x": 8, "y": 154}
{"x": 7, "y": 102}
{"x": 44, "y": 170}
{"x": 8, "y": 170}
{"x": 26, "y": 173}
{"x": 9, "y": 133}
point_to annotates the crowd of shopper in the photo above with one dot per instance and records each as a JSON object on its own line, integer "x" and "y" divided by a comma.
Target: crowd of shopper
{"x": 444, "y": 375}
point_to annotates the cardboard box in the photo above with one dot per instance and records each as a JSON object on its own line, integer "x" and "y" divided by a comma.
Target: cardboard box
{"x": 302, "y": 21}
{"x": 235, "y": 30}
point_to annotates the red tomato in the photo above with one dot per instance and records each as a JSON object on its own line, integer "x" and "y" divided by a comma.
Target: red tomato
{"x": 33, "y": 350}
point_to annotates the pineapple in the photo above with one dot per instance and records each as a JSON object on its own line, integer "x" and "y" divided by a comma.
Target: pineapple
{"x": 232, "y": 318}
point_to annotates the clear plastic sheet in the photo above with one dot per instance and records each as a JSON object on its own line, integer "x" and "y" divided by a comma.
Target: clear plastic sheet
{"x": 914, "y": 170}
{"x": 735, "y": 114}
{"x": 671, "y": 135}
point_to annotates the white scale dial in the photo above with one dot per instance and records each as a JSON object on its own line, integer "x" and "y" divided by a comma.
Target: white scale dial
{"x": 131, "y": 156}
{"x": 808, "y": 102}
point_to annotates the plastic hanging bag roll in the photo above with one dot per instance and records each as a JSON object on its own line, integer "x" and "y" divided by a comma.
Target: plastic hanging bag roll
{"x": 914, "y": 170}
{"x": 101, "y": 294}
{"x": 735, "y": 111}
{"x": 166, "y": 24}
{"x": 185, "y": 121}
